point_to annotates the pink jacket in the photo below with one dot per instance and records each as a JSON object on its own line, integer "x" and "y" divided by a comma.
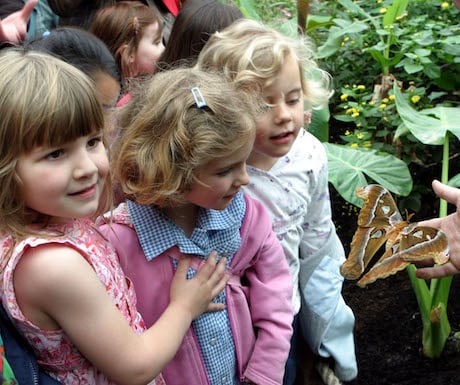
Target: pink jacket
{"x": 260, "y": 310}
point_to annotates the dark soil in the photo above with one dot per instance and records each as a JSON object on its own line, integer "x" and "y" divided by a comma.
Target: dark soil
{"x": 389, "y": 335}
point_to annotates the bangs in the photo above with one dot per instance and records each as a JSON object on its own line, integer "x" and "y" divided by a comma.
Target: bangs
{"x": 63, "y": 116}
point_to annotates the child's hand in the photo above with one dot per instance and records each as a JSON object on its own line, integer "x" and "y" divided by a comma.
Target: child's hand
{"x": 196, "y": 293}
{"x": 13, "y": 28}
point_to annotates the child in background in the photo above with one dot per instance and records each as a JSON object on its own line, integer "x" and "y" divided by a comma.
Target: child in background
{"x": 196, "y": 21}
{"x": 288, "y": 173}
{"x": 181, "y": 162}
{"x": 61, "y": 282}
{"x": 89, "y": 54}
{"x": 133, "y": 32}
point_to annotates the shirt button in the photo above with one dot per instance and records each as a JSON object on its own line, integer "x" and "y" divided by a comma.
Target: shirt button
{"x": 213, "y": 342}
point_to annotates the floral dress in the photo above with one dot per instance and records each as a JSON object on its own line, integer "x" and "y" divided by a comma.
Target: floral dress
{"x": 55, "y": 352}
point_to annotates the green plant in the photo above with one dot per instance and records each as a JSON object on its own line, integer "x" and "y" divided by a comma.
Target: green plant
{"x": 432, "y": 126}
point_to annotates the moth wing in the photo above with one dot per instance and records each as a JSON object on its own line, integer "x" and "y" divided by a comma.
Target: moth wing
{"x": 376, "y": 218}
{"x": 365, "y": 243}
{"x": 421, "y": 242}
{"x": 379, "y": 208}
{"x": 386, "y": 266}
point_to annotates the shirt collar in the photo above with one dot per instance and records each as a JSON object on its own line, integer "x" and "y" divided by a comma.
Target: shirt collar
{"x": 215, "y": 230}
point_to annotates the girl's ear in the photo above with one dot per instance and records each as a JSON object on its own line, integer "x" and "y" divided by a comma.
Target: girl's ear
{"x": 124, "y": 53}
{"x": 127, "y": 61}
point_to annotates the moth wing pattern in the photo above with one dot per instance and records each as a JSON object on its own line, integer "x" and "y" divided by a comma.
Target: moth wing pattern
{"x": 377, "y": 217}
{"x": 380, "y": 222}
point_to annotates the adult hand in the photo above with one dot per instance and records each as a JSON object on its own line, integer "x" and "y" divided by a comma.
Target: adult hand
{"x": 13, "y": 28}
{"x": 451, "y": 226}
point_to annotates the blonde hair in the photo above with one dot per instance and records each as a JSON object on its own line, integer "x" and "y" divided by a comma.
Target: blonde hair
{"x": 252, "y": 54}
{"x": 43, "y": 102}
{"x": 166, "y": 136}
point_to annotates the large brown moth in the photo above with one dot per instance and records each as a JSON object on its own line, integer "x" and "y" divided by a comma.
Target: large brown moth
{"x": 380, "y": 222}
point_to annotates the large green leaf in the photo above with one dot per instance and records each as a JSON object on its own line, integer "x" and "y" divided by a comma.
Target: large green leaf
{"x": 319, "y": 125}
{"x": 348, "y": 168}
{"x": 429, "y": 126}
{"x": 248, "y": 9}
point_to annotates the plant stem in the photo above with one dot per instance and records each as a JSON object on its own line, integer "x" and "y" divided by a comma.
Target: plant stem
{"x": 433, "y": 304}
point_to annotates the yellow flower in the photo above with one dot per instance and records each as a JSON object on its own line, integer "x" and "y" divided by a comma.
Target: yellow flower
{"x": 392, "y": 97}
{"x": 347, "y": 133}
{"x": 383, "y": 10}
{"x": 355, "y": 114}
{"x": 385, "y": 119}
{"x": 382, "y": 106}
{"x": 445, "y": 4}
{"x": 354, "y": 145}
{"x": 344, "y": 97}
{"x": 359, "y": 135}
{"x": 361, "y": 87}
{"x": 367, "y": 144}
{"x": 346, "y": 38}
{"x": 401, "y": 16}
{"x": 415, "y": 99}
{"x": 372, "y": 102}
{"x": 385, "y": 100}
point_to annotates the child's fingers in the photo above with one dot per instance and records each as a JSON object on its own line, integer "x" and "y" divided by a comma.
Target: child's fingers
{"x": 211, "y": 271}
{"x": 27, "y": 9}
{"x": 182, "y": 266}
{"x": 215, "y": 306}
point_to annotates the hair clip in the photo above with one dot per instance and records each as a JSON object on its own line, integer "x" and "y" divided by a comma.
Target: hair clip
{"x": 136, "y": 25}
{"x": 198, "y": 97}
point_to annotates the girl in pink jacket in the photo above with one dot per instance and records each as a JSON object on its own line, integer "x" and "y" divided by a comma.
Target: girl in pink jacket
{"x": 181, "y": 161}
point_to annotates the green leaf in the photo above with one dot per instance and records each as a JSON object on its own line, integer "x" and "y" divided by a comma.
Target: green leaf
{"x": 412, "y": 68}
{"x": 317, "y": 21}
{"x": 455, "y": 181}
{"x": 319, "y": 125}
{"x": 426, "y": 128}
{"x": 348, "y": 168}
{"x": 248, "y": 9}
{"x": 335, "y": 37}
{"x": 396, "y": 9}
{"x": 288, "y": 28}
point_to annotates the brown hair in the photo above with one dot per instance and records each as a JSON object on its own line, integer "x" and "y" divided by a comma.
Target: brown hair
{"x": 122, "y": 24}
{"x": 43, "y": 102}
{"x": 195, "y": 23}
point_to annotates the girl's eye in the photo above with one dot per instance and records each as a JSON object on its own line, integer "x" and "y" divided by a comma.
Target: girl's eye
{"x": 293, "y": 101}
{"x": 93, "y": 142}
{"x": 266, "y": 107}
{"x": 224, "y": 172}
{"x": 55, "y": 154}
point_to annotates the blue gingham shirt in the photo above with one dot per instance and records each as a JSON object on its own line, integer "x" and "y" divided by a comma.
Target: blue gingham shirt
{"x": 215, "y": 230}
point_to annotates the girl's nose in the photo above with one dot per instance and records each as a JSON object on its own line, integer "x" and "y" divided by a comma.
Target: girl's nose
{"x": 84, "y": 166}
{"x": 282, "y": 113}
{"x": 243, "y": 179}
